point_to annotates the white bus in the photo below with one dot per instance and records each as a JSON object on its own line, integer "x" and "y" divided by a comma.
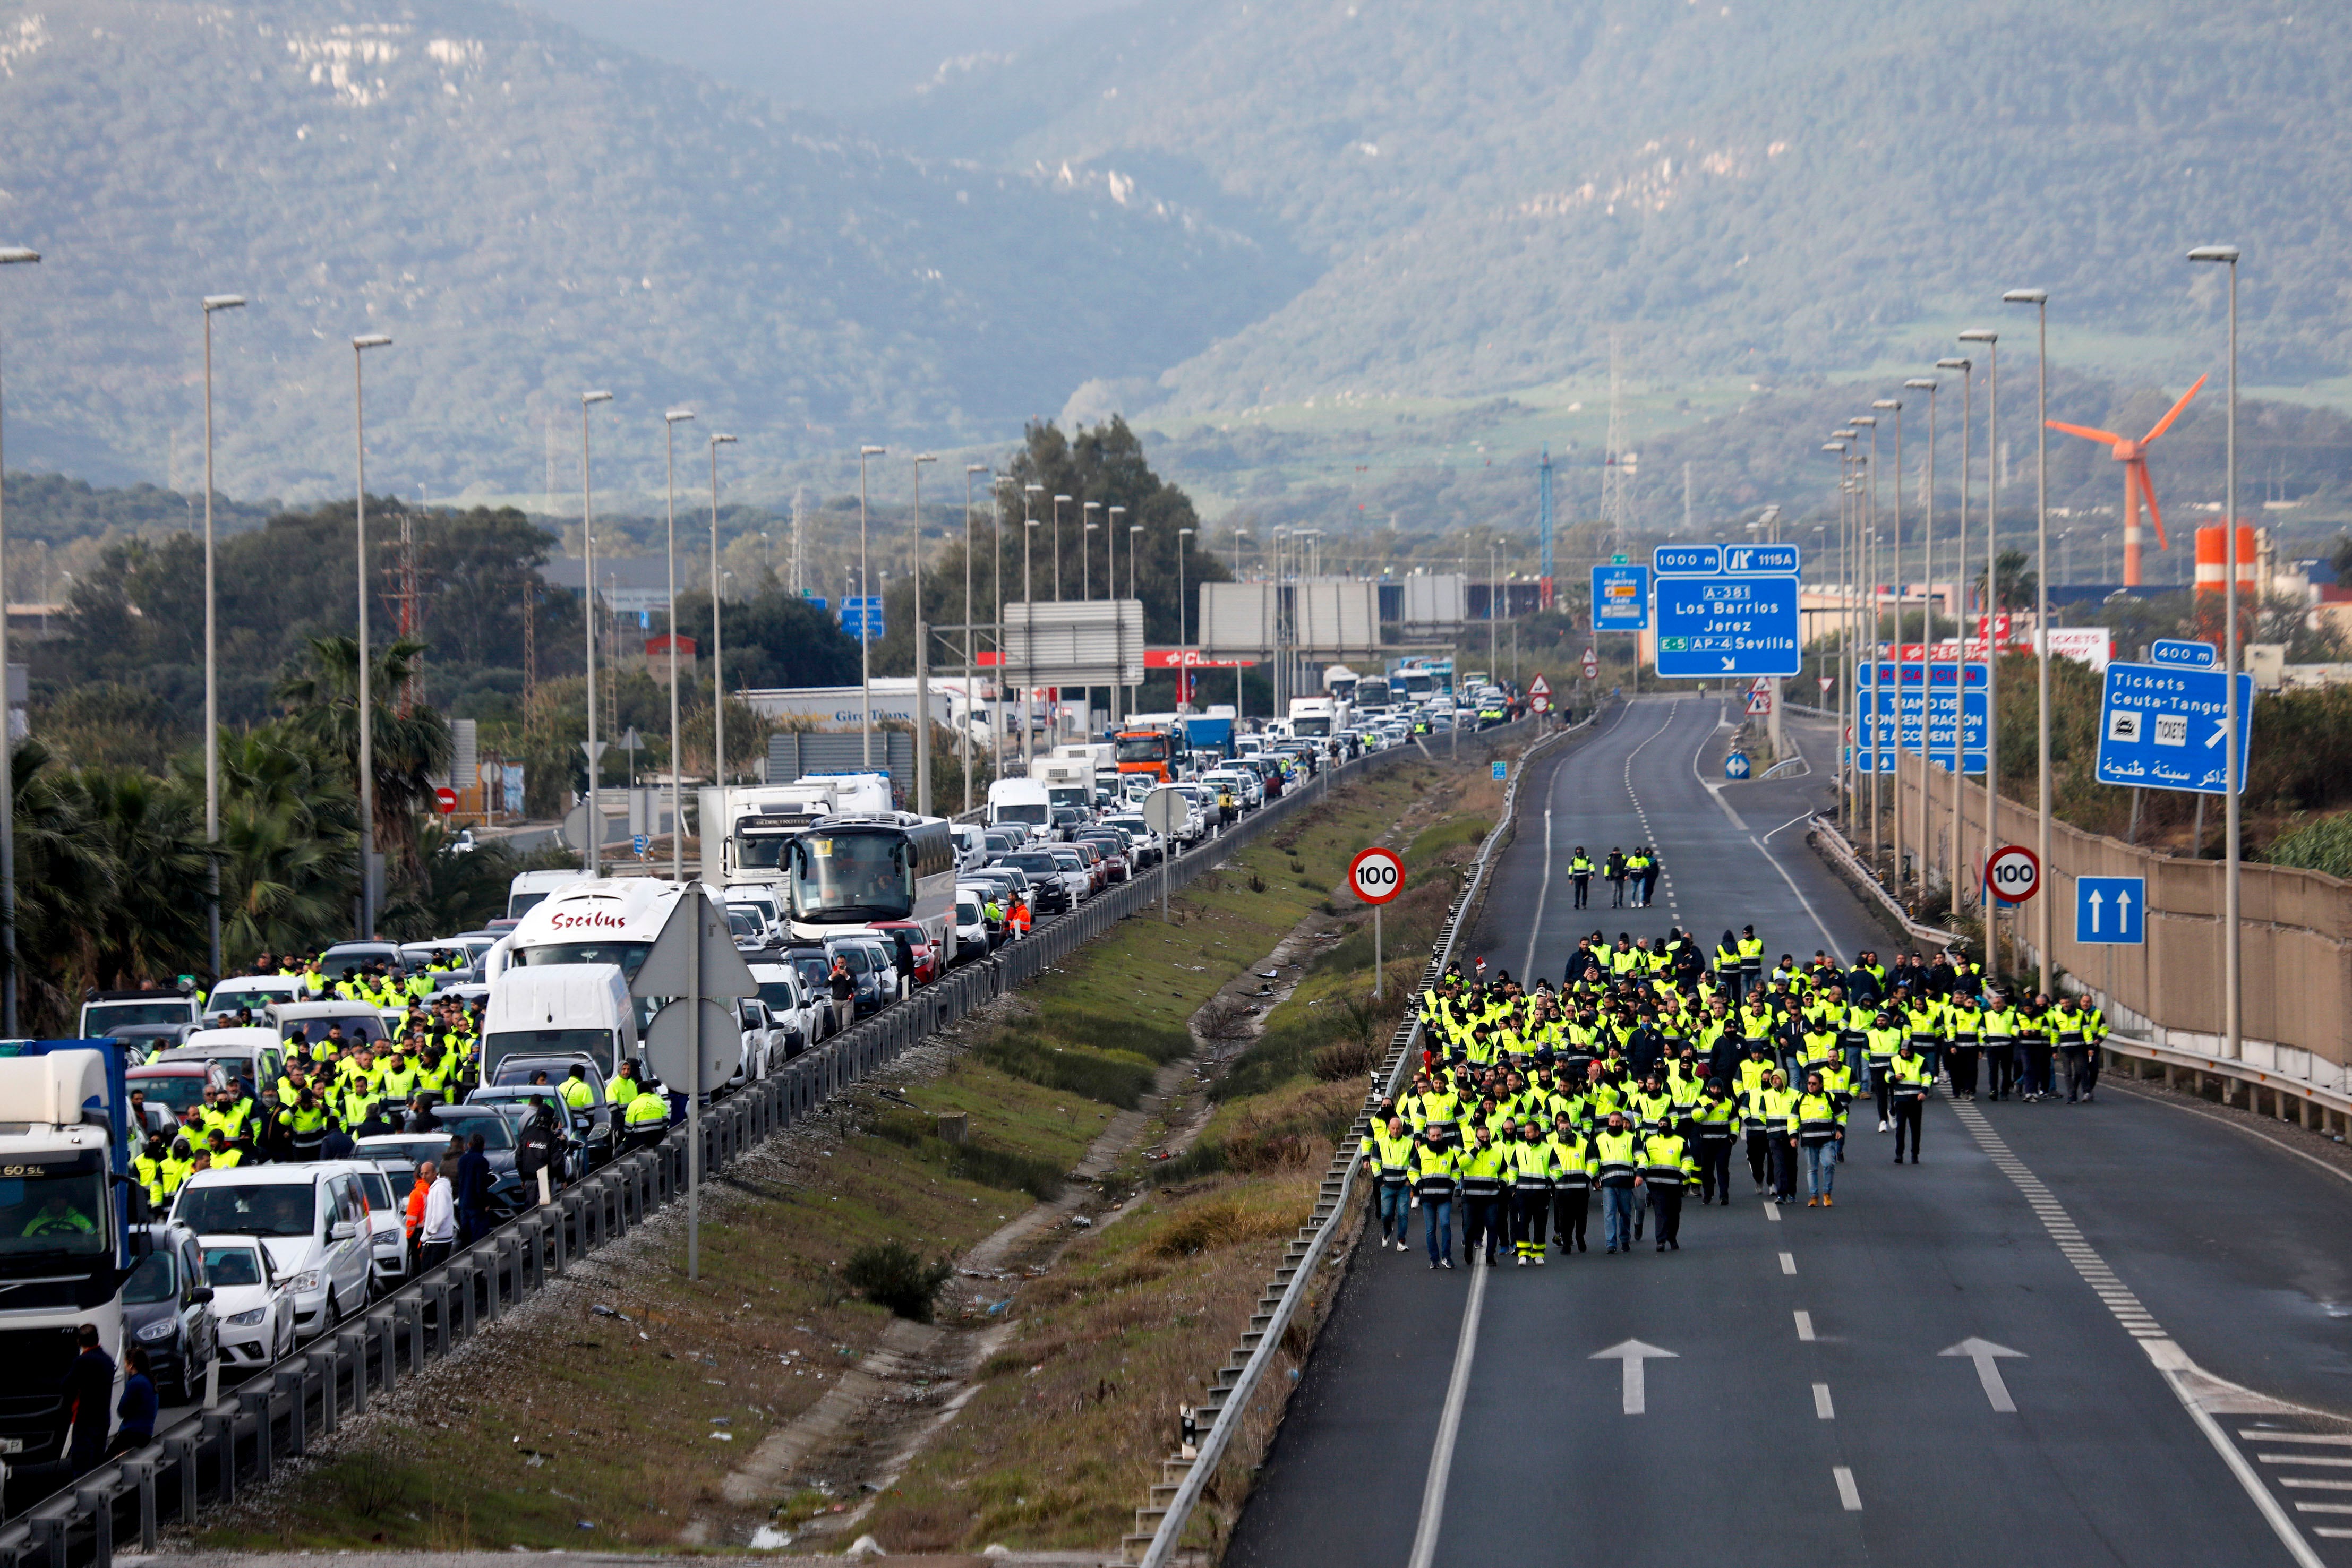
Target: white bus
{"x": 874, "y": 869}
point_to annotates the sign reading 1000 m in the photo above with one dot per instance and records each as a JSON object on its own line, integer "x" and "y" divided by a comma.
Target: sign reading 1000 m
{"x": 1727, "y": 610}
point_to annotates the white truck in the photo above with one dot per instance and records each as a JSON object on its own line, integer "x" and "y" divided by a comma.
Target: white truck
{"x": 1317, "y": 718}
{"x": 754, "y": 821}
{"x": 1021, "y": 805}
{"x": 67, "y": 1228}
{"x": 1068, "y": 782}
{"x": 561, "y": 1010}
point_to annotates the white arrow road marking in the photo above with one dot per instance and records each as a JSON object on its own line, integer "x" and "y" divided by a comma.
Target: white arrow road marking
{"x": 1633, "y": 1352}
{"x": 2095, "y": 902}
{"x": 1986, "y": 1354}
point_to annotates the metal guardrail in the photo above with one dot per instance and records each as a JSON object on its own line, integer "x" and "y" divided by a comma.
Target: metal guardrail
{"x": 205, "y": 1456}
{"x": 1183, "y": 1480}
{"x": 1835, "y": 845}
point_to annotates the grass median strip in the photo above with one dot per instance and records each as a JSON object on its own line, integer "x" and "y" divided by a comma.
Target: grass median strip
{"x": 610, "y": 1414}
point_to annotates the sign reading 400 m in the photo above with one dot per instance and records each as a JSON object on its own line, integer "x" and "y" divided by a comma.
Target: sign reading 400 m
{"x": 1727, "y": 610}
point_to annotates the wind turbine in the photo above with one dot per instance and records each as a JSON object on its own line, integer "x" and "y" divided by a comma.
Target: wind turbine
{"x": 2137, "y": 486}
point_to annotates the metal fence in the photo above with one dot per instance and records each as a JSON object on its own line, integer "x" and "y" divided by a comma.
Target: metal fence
{"x": 1160, "y": 1525}
{"x": 206, "y": 1456}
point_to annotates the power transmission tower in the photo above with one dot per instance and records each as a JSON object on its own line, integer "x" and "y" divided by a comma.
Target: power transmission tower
{"x": 1616, "y": 464}
{"x": 1543, "y": 530}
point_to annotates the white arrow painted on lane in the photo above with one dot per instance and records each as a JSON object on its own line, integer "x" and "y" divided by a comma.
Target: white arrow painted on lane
{"x": 1986, "y": 1354}
{"x": 1633, "y": 1352}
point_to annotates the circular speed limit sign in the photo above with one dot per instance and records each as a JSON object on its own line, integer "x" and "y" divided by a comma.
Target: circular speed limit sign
{"x": 2014, "y": 873}
{"x": 1376, "y": 875}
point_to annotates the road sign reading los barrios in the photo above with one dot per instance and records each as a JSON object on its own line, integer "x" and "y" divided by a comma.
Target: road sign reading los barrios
{"x": 1376, "y": 875}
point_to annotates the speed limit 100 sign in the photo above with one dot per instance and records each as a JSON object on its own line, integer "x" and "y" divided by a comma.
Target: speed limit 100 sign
{"x": 1376, "y": 875}
{"x": 2015, "y": 873}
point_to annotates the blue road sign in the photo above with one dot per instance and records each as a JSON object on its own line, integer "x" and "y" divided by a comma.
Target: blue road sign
{"x": 1734, "y": 766}
{"x": 2181, "y": 653}
{"x": 2162, "y": 728}
{"x": 1907, "y": 691}
{"x": 862, "y": 617}
{"x": 1687, "y": 560}
{"x": 1502, "y": 772}
{"x": 1727, "y": 626}
{"x": 2111, "y": 911}
{"x": 817, "y": 600}
{"x": 1621, "y": 598}
{"x": 637, "y": 843}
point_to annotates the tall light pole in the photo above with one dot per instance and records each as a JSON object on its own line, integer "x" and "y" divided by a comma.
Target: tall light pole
{"x": 1183, "y": 671}
{"x": 717, "y": 669}
{"x": 671, "y": 420}
{"x": 1961, "y": 618}
{"x": 360, "y": 346}
{"x": 1895, "y": 762}
{"x": 1986, "y": 901}
{"x": 594, "y": 832}
{"x": 1927, "y": 637}
{"x": 1029, "y": 617}
{"x": 1086, "y": 538}
{"x": 866, "y": 625}
{"x": 1844, "y": 616}
{"x": 1059, "y": 502}
{"x": 9, "y": 255}
{"x": 1003, "y": 666}
{"x": 2039, "y": 299}
{"x": 2232, "y": 1019}
{"x": 970, "y": 470}
{"x": 922, "y": 654}
{"x": 211, "y": 302}
{"x": 1119, "y": 708}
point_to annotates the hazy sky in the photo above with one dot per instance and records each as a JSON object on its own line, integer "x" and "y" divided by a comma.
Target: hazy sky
{"x": 837, "y": 55}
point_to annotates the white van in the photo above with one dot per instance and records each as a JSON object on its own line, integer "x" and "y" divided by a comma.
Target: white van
{"x": 561, "y": 1010}
{"x": 530, "y": 888}
{"x": 1021, "y": 804}
{"x": 254, "y": 991}
{"x": 254, "y": 1054}
{"x": 313, "y": 1220}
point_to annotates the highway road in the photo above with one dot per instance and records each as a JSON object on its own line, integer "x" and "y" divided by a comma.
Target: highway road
{"x": 2112, "y": 1333}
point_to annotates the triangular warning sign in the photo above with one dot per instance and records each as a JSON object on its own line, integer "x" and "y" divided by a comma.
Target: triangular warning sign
{"x": 1763, "y": 684}
{"x": 1538, "y": 688}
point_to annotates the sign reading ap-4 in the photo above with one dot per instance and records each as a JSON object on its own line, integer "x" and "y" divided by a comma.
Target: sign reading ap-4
{"x": 1727, "y": 610}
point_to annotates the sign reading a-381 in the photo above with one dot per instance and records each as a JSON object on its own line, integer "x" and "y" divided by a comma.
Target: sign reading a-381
{"x": 1727, "y": 610}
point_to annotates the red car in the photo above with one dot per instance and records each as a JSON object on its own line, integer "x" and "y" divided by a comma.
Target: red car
{"x": 916, "y": 943}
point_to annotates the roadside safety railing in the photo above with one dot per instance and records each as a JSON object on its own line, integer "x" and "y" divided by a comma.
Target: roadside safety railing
{"x": 275, "y": 1414}
{"x": 1161, "y": 1524}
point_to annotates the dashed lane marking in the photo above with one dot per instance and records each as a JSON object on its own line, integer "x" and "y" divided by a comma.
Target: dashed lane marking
{"x": 1849, "y": 1495}
{"x": 1805, "y": 1326}
{"x": 1822, "y": 1408}
{"x": 1787, "y": 1262}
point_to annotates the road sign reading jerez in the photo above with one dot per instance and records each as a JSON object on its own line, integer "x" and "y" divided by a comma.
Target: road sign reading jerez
{"x": 1727, "y": 610}
{"x": 2164, "y": 727}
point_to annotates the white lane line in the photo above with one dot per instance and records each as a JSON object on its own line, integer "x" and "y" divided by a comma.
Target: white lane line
{"x": 2322, "y": 1508}
{"x": 1535, "y": 926}
{"x": 2166, "y": 1355}
{"x": 2330, "y": 1439}
{"x": 1829, "y": 942}
{"x": 1449, "y": 1426}
{"x": 1849, "y": 1495}
{"x": 1822, "y": 1408}
{"x": 1771, "y": 1211}
{"x": 1787, "y": 1262}
{"x": 2328, "y": 1459}
{"x": 2309, "y": 1485}
{"x": 1715, "y": 792}
{"x": 1805, "y": 1326}
{"x": 2327, "y": 1534}
{"x": 2249, "y": 1132}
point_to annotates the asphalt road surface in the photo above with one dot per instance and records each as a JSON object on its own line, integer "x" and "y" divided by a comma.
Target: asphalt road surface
{"x": 2118, "y": 1333}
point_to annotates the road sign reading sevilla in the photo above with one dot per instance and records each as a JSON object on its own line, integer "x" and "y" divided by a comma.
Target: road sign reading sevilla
{"x": 1376, "y": 875}
{"x": 2015, "y": 873}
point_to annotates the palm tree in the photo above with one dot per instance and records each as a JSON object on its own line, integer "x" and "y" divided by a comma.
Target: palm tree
{"x": 64, "y": 884}
{"x": 323, "y": 702}
{"x": 151, "y": 926}
{"x": 283, "y": 884}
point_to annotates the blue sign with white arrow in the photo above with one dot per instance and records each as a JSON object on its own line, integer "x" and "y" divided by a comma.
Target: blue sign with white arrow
{"x": 2179, "y": 652}
{"x": 2163, "y": 727}
{"x": 1944, "y": 693}
{"x": 861, "y": 616}
{"x": 1735, "y": 765}
{"x": 2111, "y": 911}
{"x": 1621, "y": 598}
{"x": 1728, "y": 610}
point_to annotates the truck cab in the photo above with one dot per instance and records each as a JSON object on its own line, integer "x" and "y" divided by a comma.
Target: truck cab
{"x": 1154, "y": 753}
{"x": 148, "y": 1021}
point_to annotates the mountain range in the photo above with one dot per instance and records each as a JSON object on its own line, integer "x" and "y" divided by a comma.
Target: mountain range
{"x": 1183, "y": 209}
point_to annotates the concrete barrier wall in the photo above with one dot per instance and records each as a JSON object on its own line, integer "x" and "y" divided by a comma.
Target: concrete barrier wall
{"x": 2295, "y": 935}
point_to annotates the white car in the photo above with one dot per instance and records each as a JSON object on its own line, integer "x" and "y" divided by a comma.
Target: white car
{"x": 252, "y": 1309}
{"x": 797, "y": 1017}
{"x": 387, "y": 1225}
{"x": 1149, "y": 849}
{"x": 313, "y": 1222}
{"x": 1205, "y": 810}
{"x": 970, "y": 925}
{"x": 1247, "y": 791}
{"x": 252, "y": 991}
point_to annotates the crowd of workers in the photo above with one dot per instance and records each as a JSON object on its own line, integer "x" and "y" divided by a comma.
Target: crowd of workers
{"x": 1642, "y": 1072}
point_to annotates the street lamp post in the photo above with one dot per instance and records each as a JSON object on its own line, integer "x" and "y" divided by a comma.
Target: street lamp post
{"x": 670, "y": 422}
{"x": 922, "y": 654}
{"x": 1029, "y": 618}
{"x": 1895, "y": 645}
{"x": 1003, "y": 666}
{"x": 1986, "y": 900}
{"x": 1961, "y": 618}
{"x": 970, "y": 470}
{"x": 1845, "y": 615}
{"x": 2039, "y": 299}
{"x": 717, "y": 670}
{"x": 1120, "y": 708}
{"x": 1184, "y": 672}
{"x": 1059, "y": 502}
{"x": 1927, "y": 638}
{"x": 366, "y": 717}
{"x": 211, "y": 302}
{"x": 9, "y": 255}
{"x": 595, "y": 830}
{"x": 865, "y": 624}
{"x": 1086, "y": 538}
{"x": 2232, "y": 1003}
